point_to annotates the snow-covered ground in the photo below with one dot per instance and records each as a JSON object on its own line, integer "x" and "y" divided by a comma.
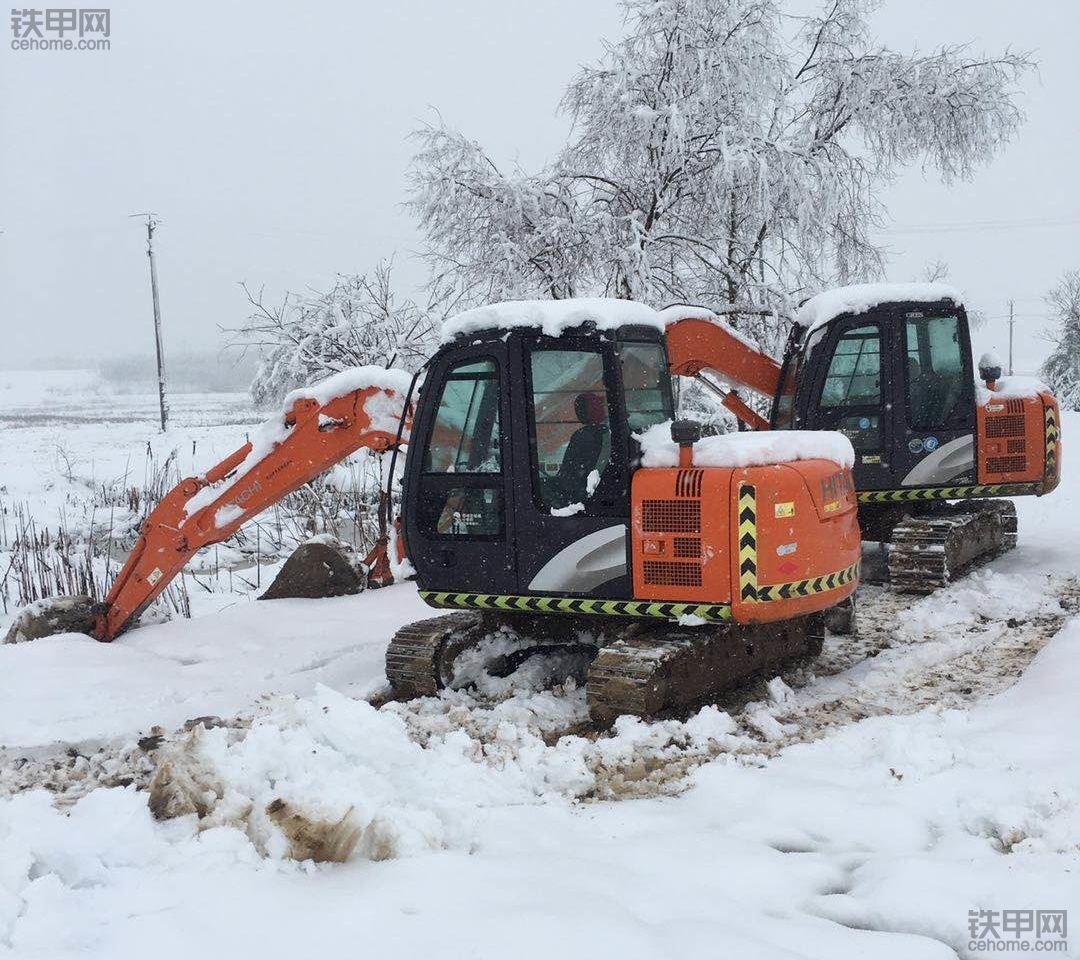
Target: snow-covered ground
{"x": 859, "y": 806}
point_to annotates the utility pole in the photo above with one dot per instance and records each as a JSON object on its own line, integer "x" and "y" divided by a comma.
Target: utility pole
{"x": 1011, "y": 322}
{"x": 151, "y": 224}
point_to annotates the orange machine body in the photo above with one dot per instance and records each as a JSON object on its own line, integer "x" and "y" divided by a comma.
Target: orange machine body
{"x": 773, "y": 542}
{"x": 1019, "y": 440}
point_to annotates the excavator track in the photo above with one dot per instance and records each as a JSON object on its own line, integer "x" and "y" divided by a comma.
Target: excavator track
{"x": 660, "y": 671}
{"x": 638, "y": 669}
{"x": 931, "y": 550}
{"x": 420, "y": 653}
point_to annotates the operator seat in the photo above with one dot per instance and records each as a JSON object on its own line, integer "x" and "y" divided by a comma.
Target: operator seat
{"x": 585, "y": 446}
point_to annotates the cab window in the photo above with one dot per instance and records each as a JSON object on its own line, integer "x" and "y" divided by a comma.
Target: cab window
{"x": 571, "y": 425}
{"x": 934, "y": 368}
{"x": 854, "y": 376}
{"x": 461, "y": 493}
{"x": 465, "y": 437}
{"x": 851, "y": 393}
{"x": 646, "y": 384}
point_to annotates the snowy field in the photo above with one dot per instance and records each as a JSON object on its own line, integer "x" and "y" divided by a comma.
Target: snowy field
{"x": 859, "y": 806}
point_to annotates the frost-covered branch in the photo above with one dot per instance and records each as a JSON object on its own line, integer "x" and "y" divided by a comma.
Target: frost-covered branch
{"x": 357, "y": 322}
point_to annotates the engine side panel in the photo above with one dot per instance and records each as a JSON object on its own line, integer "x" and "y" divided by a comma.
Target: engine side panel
{"x": 774, "y": 542}
{"x": 680, "y": 534}
{"x": 1018, "y": 438}
{"x": 797, "y": 539}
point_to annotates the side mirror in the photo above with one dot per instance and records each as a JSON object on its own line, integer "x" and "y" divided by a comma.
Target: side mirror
{"x": 989, "y": 374}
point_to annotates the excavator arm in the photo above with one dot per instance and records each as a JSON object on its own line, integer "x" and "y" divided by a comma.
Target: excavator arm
{"x": 698, "y": 347}
{"x": 320, "y": 428}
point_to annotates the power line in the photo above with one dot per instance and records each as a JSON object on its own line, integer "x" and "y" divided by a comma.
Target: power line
{"x": 971, "y": 226}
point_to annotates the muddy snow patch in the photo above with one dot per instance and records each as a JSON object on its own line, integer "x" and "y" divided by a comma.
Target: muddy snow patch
{"x": 332, "y": 778}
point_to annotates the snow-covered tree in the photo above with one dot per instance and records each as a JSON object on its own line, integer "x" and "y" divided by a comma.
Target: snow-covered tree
{"x": 1062, "y": 368}
{"x": 722, "y": 152}
{"x": 359, "y": 321}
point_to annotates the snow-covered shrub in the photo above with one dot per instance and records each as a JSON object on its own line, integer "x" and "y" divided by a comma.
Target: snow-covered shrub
{"x": 358, "y": 322}
{"x": 1061, "y": 370}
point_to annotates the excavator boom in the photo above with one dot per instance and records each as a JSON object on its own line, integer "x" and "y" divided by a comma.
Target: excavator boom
{"x": 320, "y": 428}
{"x": 698, "y": 346}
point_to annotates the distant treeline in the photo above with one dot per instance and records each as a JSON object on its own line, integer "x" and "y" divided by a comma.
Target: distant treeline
{"x": 188, "y": 372}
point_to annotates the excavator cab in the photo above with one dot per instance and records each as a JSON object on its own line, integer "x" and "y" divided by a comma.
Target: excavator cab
{"x": 897, "y": 380}
{"x": 935, "y": 440}
{"x": 523, "y": 448}
{"x": 525, "y": 496}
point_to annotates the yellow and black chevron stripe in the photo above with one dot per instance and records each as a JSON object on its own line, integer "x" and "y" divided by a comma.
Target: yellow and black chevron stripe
{"x": 969, "y": 492}
{"x": 1052, "y": 433}
{"x": 807, "y": 588}
{"x": 713, "y": 612}
{"x": 748, "y": 543}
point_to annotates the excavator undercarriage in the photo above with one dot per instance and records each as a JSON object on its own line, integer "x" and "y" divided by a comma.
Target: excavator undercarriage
{"x": 931, "y": 550}
{"x": 927, "y": 548}
{"x": 644, "y": 668}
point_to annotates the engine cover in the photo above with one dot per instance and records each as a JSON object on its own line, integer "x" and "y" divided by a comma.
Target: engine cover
{"x": 773, "y": 542}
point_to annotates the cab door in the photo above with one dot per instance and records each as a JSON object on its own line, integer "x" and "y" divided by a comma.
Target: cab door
{"x": 934, "y": 411}
{"x": 458, "y": 508}
{"x": 850, "y": 392}
{"x": 572, "y": 492}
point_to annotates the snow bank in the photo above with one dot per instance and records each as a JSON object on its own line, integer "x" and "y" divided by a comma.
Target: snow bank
{"x": 380, "y": 784}
{"x": 553, "y": 317}
{"x": 826, "y": 306}
{"x": 70, "y": 688}
{"x": 759, "y": 449}
{"x": 1010, "y": 388}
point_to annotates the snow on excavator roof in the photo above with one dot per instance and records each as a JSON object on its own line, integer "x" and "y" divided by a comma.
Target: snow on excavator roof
{"x": 554, "y": 317}
{"x": 859, "y": 297}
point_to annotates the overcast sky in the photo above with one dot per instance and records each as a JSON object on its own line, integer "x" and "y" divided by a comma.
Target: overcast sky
{"x": 272, "y": 140}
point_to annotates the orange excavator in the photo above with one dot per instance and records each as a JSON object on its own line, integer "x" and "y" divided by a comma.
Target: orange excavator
{"x": 528, "y": 510}
{"x": 543, "y": 503}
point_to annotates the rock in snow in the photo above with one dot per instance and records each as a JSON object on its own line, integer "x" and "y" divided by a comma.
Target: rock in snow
{"x": 319, "y": 568}
{"x": 52, "y": 616}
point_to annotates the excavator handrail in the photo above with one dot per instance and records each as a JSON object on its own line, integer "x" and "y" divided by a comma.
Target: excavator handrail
{"x": 294, "y": 448}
